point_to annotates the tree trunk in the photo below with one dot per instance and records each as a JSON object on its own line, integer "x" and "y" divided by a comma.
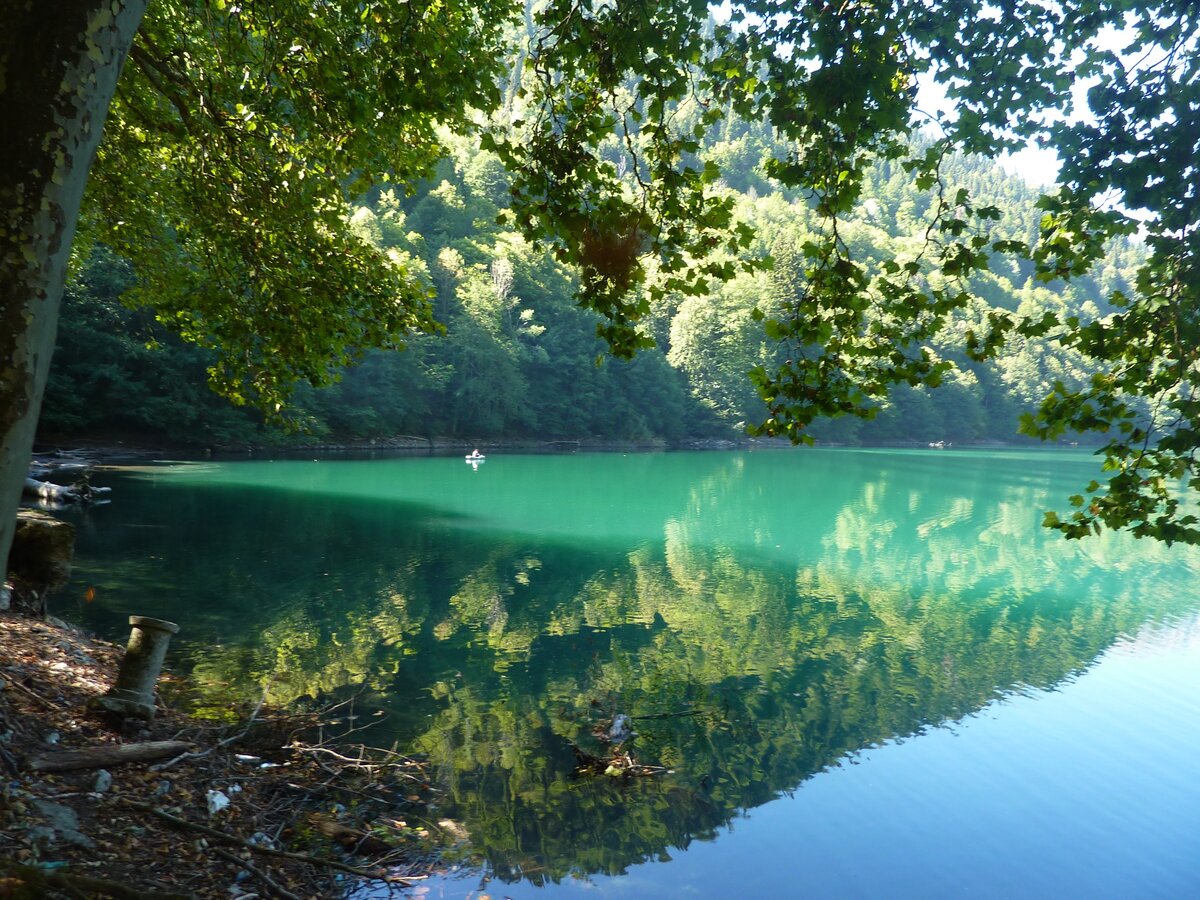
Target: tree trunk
{"x": 59, "y": 66}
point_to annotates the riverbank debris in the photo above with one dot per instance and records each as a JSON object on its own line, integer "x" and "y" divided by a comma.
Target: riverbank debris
{"x": 70, "y": 832}
{"x": 613, "y": 733}
{"x": 619, "y": 764}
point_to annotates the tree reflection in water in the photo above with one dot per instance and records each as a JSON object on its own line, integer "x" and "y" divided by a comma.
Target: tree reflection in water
{"x": 784, "y": 617}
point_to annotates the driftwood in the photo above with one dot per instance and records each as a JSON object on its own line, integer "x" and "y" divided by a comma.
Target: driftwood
{"x": 107, "y": 755}
{"x": 79, "y": 492}
{"x": 48, "y": 490}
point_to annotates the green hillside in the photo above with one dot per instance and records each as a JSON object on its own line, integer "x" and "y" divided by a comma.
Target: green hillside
{"x": 519, "y": 359}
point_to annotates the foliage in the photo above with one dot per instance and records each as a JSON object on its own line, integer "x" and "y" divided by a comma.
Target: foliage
{"x": 118, "y": 372}
{"x": 838, "y": 85}
{"x": 518, "y": 357}
{"x": 239, "y": 132}
{"x": 233, "y": 140}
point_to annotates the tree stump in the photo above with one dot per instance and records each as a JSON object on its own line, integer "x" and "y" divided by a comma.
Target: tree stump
{"x": 133, "y": 694}
{"x": 40, "y": 560}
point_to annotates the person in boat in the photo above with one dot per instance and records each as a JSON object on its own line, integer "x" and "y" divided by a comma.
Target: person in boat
{"x": 475, "y": 454}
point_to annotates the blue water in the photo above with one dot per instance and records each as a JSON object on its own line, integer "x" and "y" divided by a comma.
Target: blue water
{"x": 1091, "y": 790}
{"x": 869, "y": 673}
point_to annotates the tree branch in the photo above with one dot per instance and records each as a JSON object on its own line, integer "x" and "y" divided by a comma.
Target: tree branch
{"x": 266, "y": 851}
{"x": 155, "y": 71}
{"x": 273, "y": 886}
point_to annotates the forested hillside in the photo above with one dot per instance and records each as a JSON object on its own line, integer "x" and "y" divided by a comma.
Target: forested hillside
{"x": 519, "y": 358}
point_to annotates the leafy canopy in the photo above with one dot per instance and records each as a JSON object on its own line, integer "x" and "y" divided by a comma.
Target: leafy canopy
{"x": 240, "y": 131}
{"x": 235, "y": 137}
{"x": 838, "y": 83}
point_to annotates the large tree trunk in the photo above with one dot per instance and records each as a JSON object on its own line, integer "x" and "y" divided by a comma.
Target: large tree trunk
{"x": 59, "y": 64}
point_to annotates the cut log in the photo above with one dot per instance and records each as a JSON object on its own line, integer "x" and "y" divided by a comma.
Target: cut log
{"x": 104, "y": 756}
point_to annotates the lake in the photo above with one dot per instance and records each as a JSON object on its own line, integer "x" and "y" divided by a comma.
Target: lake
{"x": 868, "y": 673}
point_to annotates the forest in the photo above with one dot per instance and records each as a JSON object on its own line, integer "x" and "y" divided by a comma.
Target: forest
{"x": 520, "y": 360}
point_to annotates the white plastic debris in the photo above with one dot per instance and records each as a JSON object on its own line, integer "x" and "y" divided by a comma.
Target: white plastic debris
{"x": 217, "y": 801}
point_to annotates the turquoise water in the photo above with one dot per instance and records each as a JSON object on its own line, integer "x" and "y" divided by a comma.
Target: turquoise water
{"x": 869, "y": 673}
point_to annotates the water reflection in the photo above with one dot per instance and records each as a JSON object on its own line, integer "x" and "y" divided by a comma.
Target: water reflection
{"x": 760, "y": 616}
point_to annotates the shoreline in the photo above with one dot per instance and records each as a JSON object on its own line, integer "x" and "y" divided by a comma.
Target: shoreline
{"x": 76, "y": 457}
{"x": 138, "y": 447}
{"x": 244, "y": 809}
{"x": 50, "y": 457}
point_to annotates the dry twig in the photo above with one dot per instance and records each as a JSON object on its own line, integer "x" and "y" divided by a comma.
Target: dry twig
{"x": 12, "y": 682}
{"x": 217, "y": 746}
{"x": 397, "y": 766}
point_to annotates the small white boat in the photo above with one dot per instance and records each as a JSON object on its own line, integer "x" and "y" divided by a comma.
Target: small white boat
{"x": 474, "y": 459}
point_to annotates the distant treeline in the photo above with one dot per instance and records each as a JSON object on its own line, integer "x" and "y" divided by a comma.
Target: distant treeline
{"x": 520, "y": 360}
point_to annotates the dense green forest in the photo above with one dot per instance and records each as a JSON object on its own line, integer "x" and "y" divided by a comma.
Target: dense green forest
{"x": 519, "y": 359}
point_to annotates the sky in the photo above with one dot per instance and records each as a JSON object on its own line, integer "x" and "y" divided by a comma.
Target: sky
{"x": 1038, "y": 166}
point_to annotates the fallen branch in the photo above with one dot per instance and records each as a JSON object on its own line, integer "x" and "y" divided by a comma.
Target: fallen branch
{"x": 199, "y": 754}
{"x": 80, "y": 492}
{"x": 80, "y": 885}
{"x": 48, "y": 490}
{"x": 670, "y": 715}
{"x": 182, "y": 757}
{"x": 12, "y": 682}
{"x": 393, "y": 761}
{"x": 266, "y": 851}
{"x": 108, "y": 755}
{"x": 272, "y": 885}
